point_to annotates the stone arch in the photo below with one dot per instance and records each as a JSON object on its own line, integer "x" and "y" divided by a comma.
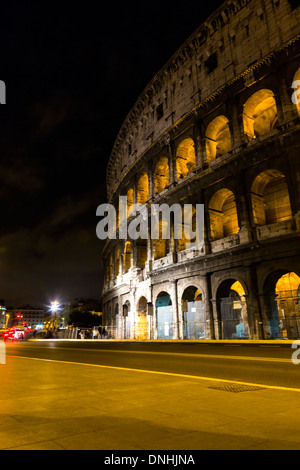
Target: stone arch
{"x": 141, "y": 253}
{"x": 232, "y": 309}
{"x": 161, "y": 245}
{"x": 161, "y": 175}
{"x": 223, "y": 214}
{"x": 185, "y": 158}
{"x": 218, "y": 138}
{"x": 126, "y": 320}
{"x": 197, "y": 282}
{"x": 187, "y": 226}
{"x": 282, "y": 300}
{"x": 143, "y": 189}
{"x": 126, "y": 308}
{"x": 127, "y": 256}
{"x": 142, "y": 328}
{"x": 259, "y": 114}
{"x": 142, "y": 305}
{"x": 129, "y": 202}
{"x": 193, "y": 313}
{"x": 296, "y": 88}
{"x": 164, "y": 316}
{"x": 270, "y": 198}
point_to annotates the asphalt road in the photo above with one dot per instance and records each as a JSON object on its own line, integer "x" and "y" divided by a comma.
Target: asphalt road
{"x": 264, "y": 364}
{"x": 109, "y": 395}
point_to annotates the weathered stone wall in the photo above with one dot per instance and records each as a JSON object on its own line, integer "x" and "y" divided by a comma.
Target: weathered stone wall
{"x": 248, "y": 180}
{"x": 234, "y": 40}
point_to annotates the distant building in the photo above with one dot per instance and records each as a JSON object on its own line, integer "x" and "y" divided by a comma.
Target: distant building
{"x": 32, "y": 317}
{"x": 3, "y": 314}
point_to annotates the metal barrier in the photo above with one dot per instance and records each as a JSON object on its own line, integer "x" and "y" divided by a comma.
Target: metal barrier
{"x": 194, "y": 330}
{"x": 166, "y": 330}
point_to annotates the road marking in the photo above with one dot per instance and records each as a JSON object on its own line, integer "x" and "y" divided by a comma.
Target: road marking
{"x": 206, "y": 356}
{"x": 169, "y": 374}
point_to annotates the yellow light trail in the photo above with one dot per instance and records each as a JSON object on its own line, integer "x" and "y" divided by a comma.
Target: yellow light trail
{"x": 168, "y": 374}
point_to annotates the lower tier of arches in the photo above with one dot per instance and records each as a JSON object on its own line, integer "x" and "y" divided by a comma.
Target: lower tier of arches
{"x": 236, "y": 304}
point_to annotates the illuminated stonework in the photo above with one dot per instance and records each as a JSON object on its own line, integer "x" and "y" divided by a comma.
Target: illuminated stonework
{"x": 218, "y": 126}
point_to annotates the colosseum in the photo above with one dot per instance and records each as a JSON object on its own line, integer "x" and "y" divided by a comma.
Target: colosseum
{"x": 219, "y": 125}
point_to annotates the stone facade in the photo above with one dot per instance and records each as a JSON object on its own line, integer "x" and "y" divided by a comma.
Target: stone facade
{"x": 216, "y": 126}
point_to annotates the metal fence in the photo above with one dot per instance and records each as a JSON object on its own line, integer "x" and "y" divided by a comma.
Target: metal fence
{"x": 194, "y": 330}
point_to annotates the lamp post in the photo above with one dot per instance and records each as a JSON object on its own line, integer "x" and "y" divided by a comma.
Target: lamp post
{"x": 54, "y": 310}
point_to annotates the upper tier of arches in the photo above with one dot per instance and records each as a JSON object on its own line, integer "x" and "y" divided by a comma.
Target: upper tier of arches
{"x": 222, "y": 53}
{"x": 259, "y": 118}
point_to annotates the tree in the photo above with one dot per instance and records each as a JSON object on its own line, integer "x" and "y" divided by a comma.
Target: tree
{"x": 83, "y": 319}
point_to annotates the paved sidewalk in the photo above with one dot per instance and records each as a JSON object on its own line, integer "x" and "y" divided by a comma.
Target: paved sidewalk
{"x": 61, "y": 406}
{"x": 171, "y": 341}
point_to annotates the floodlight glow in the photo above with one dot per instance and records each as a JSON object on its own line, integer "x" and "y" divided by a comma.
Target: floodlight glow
{"x": 54, "y": 306}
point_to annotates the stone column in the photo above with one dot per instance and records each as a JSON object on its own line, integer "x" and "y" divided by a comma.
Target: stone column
{"x": 289, "y": 110}
{"x": 198, "y": 147}
{"x": 151, "y": 180}
{"x": 209, "y": 318}
{"x": 173, "y": 244}
{"x": 150, "y": 257}
{"x": 255, "y": 318}
{"x": 236, "y": 127}
{"x": 172, "y": 164}
{"x": 180, "y": 320}
{"x": 217, "y": 322}
{"x": 206, "y": 242}
{"x": 245, "y": 233}
{"x": 133, "y": 313}
{"x": 174, "y": 297}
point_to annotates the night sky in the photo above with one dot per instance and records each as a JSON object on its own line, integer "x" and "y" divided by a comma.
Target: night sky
{"x": 72, "y": 73}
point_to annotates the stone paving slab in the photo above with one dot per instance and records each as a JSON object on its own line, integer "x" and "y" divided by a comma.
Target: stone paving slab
{"x": 50, "y": 406}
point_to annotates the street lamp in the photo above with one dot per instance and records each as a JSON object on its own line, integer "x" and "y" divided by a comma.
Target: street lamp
{"x": 54, "y": 309}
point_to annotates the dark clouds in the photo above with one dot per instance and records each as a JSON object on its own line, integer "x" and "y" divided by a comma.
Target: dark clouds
{"x": 72, "y": 73}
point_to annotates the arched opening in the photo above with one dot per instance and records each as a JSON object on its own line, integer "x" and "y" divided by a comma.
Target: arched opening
{"x": 270, "y": 198}
{"x": 117, "y": 263}
{"x": 193, "y": 314}
{"x": 142, "y": 330}
{"x": 218, "y": 138}
{"x": 232, "y": 308}
{"x": 143, "y": 189}
{"x": 164, "y": 316}
{"x": 185, "y": 158}
{"x": 161, "y": 175}
{"x": 282, "y": 291}
{"x": 129, "y": 202}
{"x": 112, "y": 325}
{"x": 141, "y": 253}
{"x": 127, "y": 257}
{"x": 188, "y": 226}
{"x": 223, "y": 215}
{"x": 161, "y": 245}
{"x": 296, "y": 87}
{"x": 259, "y": 114}
{"x": 126, "y": 320}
